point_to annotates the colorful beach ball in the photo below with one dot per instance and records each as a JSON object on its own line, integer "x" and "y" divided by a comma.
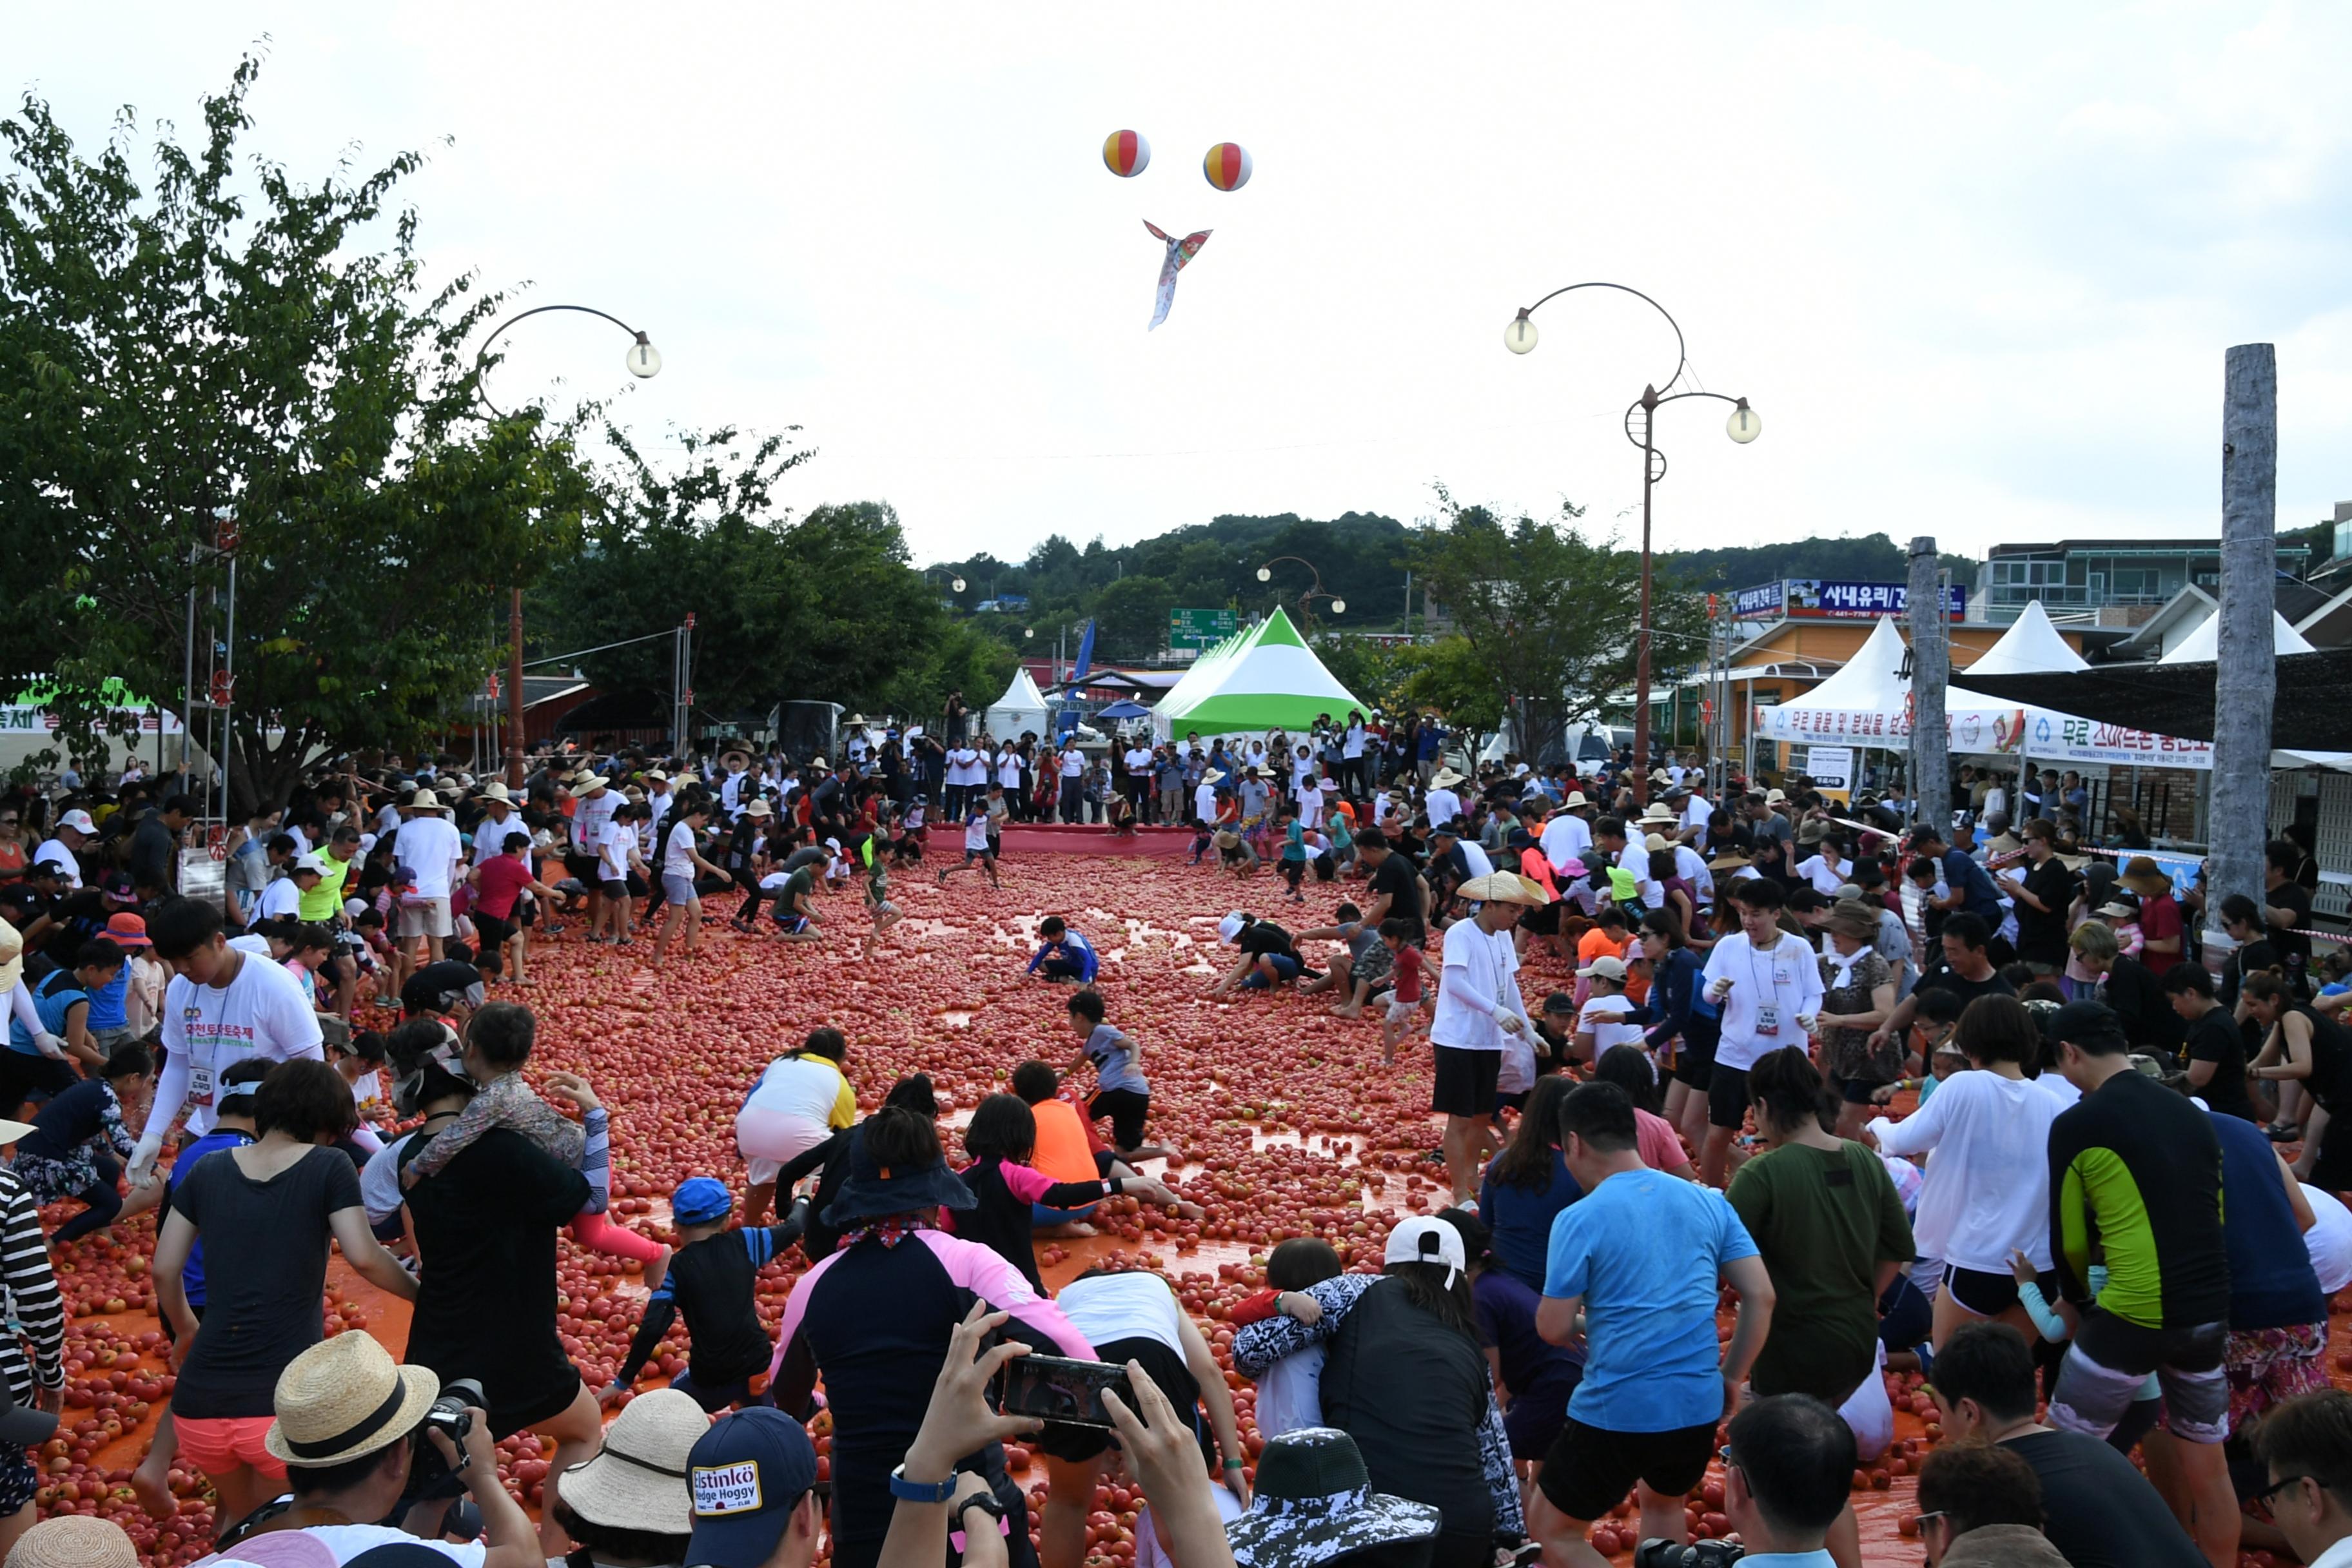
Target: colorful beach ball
{"x": 1125, "y": 153}
{"x": 1227, "y": 166}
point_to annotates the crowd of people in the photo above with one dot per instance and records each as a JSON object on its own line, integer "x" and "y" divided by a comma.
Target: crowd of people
{"x": 1927, "y": 1096}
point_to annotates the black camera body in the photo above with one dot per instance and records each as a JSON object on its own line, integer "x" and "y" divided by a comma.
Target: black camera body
{"x": 1659, "y": 1552}
{"x": 449, "y": 1415}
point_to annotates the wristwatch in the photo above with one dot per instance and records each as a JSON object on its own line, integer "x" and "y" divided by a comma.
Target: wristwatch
{"x": 921, "y": 1491}
{"x": 983, "y": 1500}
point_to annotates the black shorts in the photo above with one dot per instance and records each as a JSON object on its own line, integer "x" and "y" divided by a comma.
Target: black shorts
{"x": 1126, "y": 1109}
{"x": 1858, "y": 1090}
{"x": 1696, "y": 1073}
{"x": 582, "y": 867}
{"x": 1544, "y": 921}
{"x": 1986, "y": 1295}
{"x": 494, "y": 932}
{"x": 1726, "y": 1096}
{"x": 1590, "y": 1471}
{"x": 1466, "y": 1081}
{"x": 614, "y": 888}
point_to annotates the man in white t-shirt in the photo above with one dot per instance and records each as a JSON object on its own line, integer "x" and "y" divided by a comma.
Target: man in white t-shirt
{"x": 1204, "y": 796}
{"x": 1138, "y": 783}
{"x": 63, "y": 849}
{"x": 1768, "y": 984}
{"x": 499, "y": 825}
{"x": 1442, "y": 803}
{"x": 1566, "y": 836}
{"x": 593, "y": 801}
{"x": 967, "y": 770}
{"x": 1600, "y": 1023}
{"x": 1478, "y": 1003}
{"x": 223, "y": 1006}
{"x": 1074, "y": 793}
{"x": 429, "y": 846}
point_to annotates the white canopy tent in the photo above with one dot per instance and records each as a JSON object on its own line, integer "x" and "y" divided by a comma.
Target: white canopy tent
{"x": 2204, "y": 645}
{"x": 1021, "y": 709}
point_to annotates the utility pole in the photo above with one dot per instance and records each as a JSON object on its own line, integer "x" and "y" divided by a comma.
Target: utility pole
{"x": 2245, "y": 671}
{"x": 1931, "y": 672}
{"x": 514, "y": 694}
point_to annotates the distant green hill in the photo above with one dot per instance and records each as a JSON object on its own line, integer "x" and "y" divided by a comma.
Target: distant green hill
{"x": 1359, "y": 557}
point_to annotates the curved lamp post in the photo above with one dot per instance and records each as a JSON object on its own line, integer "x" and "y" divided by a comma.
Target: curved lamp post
{"x": 1314, "y": 591}
{"x": 1742, "y": 426}
{"x": 644, "y": 362}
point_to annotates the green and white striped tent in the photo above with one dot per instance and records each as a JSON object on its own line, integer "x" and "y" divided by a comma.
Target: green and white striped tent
{"x": 1262, "y": 678}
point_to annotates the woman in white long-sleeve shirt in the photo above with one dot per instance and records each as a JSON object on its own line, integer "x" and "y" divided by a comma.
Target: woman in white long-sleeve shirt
{"x": 1987, "y": 1188}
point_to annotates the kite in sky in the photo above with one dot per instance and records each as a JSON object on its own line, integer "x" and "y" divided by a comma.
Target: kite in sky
{"x": 1180, "y": 251}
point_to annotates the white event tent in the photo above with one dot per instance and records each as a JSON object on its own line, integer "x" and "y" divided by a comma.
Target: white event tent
{"x": 1021, "y": 709}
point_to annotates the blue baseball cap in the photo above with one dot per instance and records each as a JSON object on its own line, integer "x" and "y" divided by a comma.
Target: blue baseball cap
{"x": 699, "y": 1200}
{"x": 746, "y": 1473}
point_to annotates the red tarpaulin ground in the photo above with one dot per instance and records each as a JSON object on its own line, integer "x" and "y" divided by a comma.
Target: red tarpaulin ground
{"x": 1071, "y": 838}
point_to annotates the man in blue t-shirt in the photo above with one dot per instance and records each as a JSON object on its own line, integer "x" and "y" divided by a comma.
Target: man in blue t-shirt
{"x": 1642, "y": 1256}
{"x": 1062, "y": 953}
{"x": 1968, "y": 885}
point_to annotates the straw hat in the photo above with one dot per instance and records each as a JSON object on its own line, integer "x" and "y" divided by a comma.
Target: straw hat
{"x": 1729, "y": 862}
{"x": 1444, "y": 778}
{"x": 1656, "y": 813}
{"x": 1774, "y": 797}
{"x": 74, "y": 1541}
{"x": 637, "y": 1480}
{"x": 591, "y": 784}
{"x": 2145, "y": 877}
{"x": 1656, "y": 842}
{"x": 12, "y": 957}
{"x": 1504, "y": 888}
{"x": 427, "y": 801}
{"x": 758, "y": 808}
{"x": 1575, "y": 801}
{"x": 494, "y": 791}
{"x": 345, "y": 1398}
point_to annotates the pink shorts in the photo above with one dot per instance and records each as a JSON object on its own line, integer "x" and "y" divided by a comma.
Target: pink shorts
{"x": 220, "y": 1444}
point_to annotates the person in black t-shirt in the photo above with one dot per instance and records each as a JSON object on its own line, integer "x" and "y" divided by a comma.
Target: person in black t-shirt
{"x": 2287, "y": 911}
{"x": 713, "y": 1282}
{"x": 1965, "y": 969}
{"x": 1395, "y": 892}
{"x": 2098, "y": 1511}
{"x": 2042, "y": 894}
{"x": 1267, "y": 958}
{"x": 2216, "y": 1050}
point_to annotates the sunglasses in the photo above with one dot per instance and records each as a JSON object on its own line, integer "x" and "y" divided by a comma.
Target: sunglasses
{"x": 2264, "y": 1496}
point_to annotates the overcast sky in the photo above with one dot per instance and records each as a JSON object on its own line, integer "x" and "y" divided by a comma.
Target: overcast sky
{"x": 1975, "y": 268}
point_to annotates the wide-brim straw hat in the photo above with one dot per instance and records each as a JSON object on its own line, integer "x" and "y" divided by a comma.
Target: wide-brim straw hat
{"x": 758, "y": 808}
{"x": 1504, "y": 888}
{"x": 1444, "y": 778}
{"x": 345, "y": 1398}
{"x": 427, "y": 801}
{"x": 496, "y": 791}
{"x": 2145, "y": 877}
{"x": 639, "y": 1478}
{"x": 74, "y": 1541}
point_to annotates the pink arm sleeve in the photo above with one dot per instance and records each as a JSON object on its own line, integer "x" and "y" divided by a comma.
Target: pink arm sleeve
{"x": 1027, "y": 1185}
{"x": 794, "y": 1306}
{"x": 989, "y": 1277}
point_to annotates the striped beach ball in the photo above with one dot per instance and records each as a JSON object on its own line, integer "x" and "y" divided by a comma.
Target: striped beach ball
{"x": 1227, "y": 166}
{"x": 1125, "y": 153}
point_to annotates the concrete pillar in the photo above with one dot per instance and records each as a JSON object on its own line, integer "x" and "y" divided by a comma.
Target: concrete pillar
{"x": 1931, "y": 672}
{"x": 2245, "y": 675}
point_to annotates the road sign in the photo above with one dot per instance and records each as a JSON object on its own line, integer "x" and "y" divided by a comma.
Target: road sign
{"x": 1200, "y": 628}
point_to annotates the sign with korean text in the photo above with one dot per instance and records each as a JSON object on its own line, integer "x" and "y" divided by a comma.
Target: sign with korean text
{"x": 1832, "y": 599}
{"x": 1200, "y": 628}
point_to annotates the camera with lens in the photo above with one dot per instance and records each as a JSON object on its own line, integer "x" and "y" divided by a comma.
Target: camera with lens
{"x": 430, "y": 1478}
{"x": 1659, "y": 1552}
{"x": 449, "y": 1415}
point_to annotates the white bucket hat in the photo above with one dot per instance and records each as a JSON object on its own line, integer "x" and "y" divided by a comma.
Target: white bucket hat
{"x": 639, "y": 1478}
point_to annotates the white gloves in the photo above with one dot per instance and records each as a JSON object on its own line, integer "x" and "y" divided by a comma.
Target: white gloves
{"x": 50, "y": 1045}
{"x": 142, "y": 1161}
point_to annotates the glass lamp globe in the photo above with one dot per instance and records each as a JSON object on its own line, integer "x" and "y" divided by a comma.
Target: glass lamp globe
{"x": 1743, "y": 427}
{"x": 645, "y": 361}
{"x": 1339, "y": 606}
{"x": 956, "y": 584}
{"x": 1028, "y": 631}
{"x": 1265, "y": 573}
{"x": 1520, "y": 335}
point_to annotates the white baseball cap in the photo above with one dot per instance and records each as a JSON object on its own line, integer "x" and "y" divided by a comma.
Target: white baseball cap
{"x": 78, "y": 821}
{"x": 1425, "y": 1239}
{"x": 311, "y": 863}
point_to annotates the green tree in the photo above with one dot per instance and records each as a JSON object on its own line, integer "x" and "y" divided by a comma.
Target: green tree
{"x": 1131, "y": 617}
{"x": 1549, "y": 615}
{"x": 1449, "y": 678}
{"x": 823, "y": 607}
{"x": 214, "y": 352}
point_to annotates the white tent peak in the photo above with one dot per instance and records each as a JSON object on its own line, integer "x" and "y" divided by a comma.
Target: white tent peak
{"x": 1022, "y": 707}
{"x": 2031, "y": 647}
{"x": 1870, "y": 682}
{"x": 2203, "y": 646}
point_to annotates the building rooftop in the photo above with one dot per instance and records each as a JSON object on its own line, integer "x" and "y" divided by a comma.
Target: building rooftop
{"x": 2127, "y": 547}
